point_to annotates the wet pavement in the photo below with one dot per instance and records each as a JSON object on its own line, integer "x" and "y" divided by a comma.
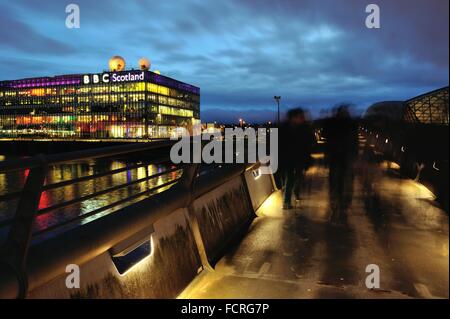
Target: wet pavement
{"x": 391, "y": 222}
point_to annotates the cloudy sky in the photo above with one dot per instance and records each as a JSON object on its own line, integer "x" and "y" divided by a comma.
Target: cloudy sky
{"x": 314, "y": 53}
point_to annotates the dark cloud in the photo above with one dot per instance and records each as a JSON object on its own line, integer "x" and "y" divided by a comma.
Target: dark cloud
{"x": 242, "y": 52}
{"x": 17, "y": 35}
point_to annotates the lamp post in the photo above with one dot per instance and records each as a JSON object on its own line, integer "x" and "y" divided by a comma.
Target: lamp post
{"x": 277, "y": 99}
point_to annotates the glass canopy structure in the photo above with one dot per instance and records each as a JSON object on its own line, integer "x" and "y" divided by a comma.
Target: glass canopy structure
{"x": 428, "y": 108}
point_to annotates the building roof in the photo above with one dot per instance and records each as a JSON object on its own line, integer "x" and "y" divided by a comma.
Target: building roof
{"x": 427, "y": 108}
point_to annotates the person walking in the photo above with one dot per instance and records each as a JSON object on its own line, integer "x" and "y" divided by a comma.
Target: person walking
{"x": 341, "y": 149}
{"x": 296, "y": 142}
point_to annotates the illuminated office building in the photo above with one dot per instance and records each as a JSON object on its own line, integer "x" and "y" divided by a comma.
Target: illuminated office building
{"x": 136, "y": 104}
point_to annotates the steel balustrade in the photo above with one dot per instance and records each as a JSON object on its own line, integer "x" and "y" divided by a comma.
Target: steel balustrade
{"x": 23, "y": 269}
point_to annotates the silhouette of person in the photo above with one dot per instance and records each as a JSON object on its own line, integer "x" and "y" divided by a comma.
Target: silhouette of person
{"x": 296, "y": 141}
{"x": 341, "y": 149}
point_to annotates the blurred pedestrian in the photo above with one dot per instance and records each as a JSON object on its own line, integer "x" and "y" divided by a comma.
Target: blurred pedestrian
{"x": 296, "y": 141}
{"x": 341, "y": 149}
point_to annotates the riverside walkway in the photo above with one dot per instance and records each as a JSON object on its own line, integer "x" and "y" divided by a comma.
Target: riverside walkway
{"x": 299, "y": 253}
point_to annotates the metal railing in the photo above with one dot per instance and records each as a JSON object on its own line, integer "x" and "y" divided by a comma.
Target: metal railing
{"x": 14, "y": 251}
{"x": 23, "y": 269}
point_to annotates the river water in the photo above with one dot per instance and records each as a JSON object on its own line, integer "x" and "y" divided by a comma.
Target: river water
{"x": 14, "y": 181}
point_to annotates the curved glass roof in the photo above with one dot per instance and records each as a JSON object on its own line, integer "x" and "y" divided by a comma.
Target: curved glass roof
{"x": 428, "y": 108}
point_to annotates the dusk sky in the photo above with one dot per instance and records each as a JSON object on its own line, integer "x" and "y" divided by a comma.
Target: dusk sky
{"x": 241, "y": 52}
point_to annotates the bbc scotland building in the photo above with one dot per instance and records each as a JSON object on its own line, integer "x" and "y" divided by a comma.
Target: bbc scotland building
{"x": 133, "y": 104}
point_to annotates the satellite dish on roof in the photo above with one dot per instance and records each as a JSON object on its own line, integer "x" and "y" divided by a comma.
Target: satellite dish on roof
{"x": 144, "y": 64}
{"x": 116, "y": 63}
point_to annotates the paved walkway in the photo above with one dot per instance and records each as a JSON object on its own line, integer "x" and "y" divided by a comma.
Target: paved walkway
{"x": 301, "y": 254}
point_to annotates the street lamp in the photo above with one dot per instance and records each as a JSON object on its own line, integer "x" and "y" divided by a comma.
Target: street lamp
{"x": 277, "y": 98}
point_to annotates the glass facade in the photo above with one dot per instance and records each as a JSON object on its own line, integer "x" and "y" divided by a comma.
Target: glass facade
{"x": 429, "y": 108}
{"x": 112, "y": 105}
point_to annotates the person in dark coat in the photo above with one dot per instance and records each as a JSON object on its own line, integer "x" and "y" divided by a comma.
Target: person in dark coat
{"x": 296, "y": 141}
{"x": 341, "y": 149}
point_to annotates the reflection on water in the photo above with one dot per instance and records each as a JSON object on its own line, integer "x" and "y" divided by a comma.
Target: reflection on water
{"x": 14, "y": 181}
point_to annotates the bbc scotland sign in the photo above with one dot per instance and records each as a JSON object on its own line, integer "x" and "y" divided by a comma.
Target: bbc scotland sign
{"x": 115, "y": 77}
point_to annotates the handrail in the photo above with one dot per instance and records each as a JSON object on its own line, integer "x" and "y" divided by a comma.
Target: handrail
{"x": 14, "y": 252}
{"x": 52, "y": 159}
{"x": 81, "y": 244}
{"x": 12, "y": 195}
{"x": 102, "y": 192}
{"x": 103, "y": 208}
{"x": 73, "y": 201}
